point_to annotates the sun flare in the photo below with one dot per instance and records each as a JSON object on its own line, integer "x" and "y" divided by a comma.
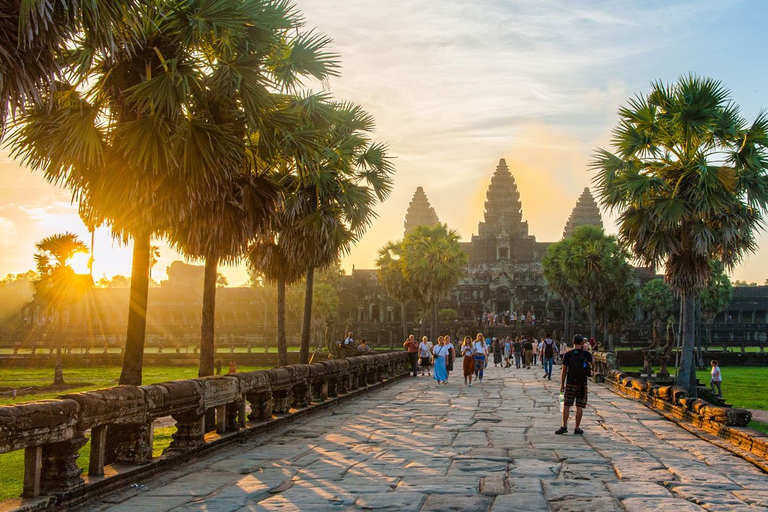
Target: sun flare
{"x": 79, "y": 263}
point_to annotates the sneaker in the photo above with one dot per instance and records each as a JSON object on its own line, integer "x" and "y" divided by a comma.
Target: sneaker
{"x": 577, "y": 431}
{"x": 544, "y": 375}
{"x": 470, "y": 384}
{"x": 561, "y": 430}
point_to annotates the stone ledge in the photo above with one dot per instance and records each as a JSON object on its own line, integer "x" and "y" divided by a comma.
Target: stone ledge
{"x": 747, "y": 443}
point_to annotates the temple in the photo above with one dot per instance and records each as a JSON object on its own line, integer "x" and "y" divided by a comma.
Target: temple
{"x": 585, "y": 213}
{"x": 420, "y": 212}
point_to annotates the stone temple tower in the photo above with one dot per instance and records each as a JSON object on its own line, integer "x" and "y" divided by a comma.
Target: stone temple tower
{"x": 502, "y": 235}
{"x": 585, "y": 213}
{"x": 420, "y": 212}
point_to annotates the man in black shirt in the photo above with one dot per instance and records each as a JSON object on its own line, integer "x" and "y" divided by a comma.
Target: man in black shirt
{"x": 517, "y": 349}
{"x": 577, "y": 364}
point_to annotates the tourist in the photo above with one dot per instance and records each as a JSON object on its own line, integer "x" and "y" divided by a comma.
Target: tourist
{"x": 451, "y": 354}
{"x": 527, "y": 353}
{"x": 498, "y": 351}
{"x": 517, "y": 350}
{"x": 548, "y": 355}
{"x": 413, "y": 353}
{"x": 563, "y": 350}
{"x": 232, "y": 367}
{"x": 349, "y": 341}
{"x": 573, "y": 383}
{"x": 507, "y": 352}
{"x": 468, "y": 364}
{"x": 535, "y": 350}
{"x": 363, "y": 347}
{"x": 441, "y": 353}
{"x": 480, "y": 355}
{"x": 533, "y": 318}
{"x": 716, "y": 379}
{"x": 425, "y": 356}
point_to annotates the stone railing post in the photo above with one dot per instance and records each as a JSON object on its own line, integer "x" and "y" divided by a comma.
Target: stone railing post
{"x": 59, "y": 472}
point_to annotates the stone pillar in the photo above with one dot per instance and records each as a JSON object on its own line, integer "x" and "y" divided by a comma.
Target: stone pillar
{"x": 261, "y": 406}
{"x": 129, "y": 443}
{"x": 98, "y": 449}
{"x": 33, "y": 464}
{"x": 59, "y": 472}
{"x": 190, "y": 431}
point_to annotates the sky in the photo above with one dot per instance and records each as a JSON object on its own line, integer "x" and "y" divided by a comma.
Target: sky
{"x": 456, "y": 85}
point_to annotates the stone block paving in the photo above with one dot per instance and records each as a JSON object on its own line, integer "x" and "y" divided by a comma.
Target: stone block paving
{"x": 416, "y": 446}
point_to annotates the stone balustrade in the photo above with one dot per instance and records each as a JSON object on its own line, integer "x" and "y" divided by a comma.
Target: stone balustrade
{"x": 727, "y": 423}
{"x": 120, "y": 419}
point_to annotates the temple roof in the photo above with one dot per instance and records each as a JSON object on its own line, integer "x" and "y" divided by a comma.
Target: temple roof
{"x": 420, "y": 212}
{"x": 585, "y": 213}
{"x": 503, "y": 209}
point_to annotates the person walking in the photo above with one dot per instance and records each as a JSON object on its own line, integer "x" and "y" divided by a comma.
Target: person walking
{"x": 440, "y": 352}
{"x": 535, "y": 350}
{"x": 507, "y": 352}
{"x": 517, "y": 351}
{"x": 573, "y": 383}
{"x": 425, "y": 356}
{"x": 468, "y": 363}
{"x": 549, "y": 348}
{"x": 479, "y": 354}
{"x": 716, "y": 379}
{"x": 413, "y": 353}
{"x": 451, "y": 354}
{"x": 563, "y": 350}
{"x": 527, "y": 353}
{"x": 498, "y": 351}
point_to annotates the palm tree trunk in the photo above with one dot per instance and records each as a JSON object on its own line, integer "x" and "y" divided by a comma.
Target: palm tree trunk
{"x": 58, "y": 370}
{"x": 403, "y": 321}
{"x": 592, "y": 325}
{"x": 133, "y": 356}
{"x": 565, "y": 320}
{"x": 282, "y": 342}
{"x": 307, "y": 326}
{"x": 435, "y": 326}
{"x": 684, "y": 372}
{"x": 207, "y": 326}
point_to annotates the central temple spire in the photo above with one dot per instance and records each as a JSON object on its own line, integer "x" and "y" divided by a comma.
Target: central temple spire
{"x": 503, "y": 209}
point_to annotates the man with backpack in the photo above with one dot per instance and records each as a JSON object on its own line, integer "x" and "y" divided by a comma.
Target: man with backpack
{"x": 548, "y": 351}
{"x": 573, "y": 382}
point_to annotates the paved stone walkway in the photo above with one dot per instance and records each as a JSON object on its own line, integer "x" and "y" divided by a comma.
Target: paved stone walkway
{"x": 415, "y": 446}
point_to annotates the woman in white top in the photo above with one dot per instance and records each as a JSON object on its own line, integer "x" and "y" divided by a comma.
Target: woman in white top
{"x": 441, "y": 353}
{"x": 479, "y": 354}
{"x": 425, "y": 355}
{"x": 468, "y": 364}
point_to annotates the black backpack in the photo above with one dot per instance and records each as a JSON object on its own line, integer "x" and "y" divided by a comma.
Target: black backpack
{"x": 549, "y": 349}
{"x": 578, "y": 367}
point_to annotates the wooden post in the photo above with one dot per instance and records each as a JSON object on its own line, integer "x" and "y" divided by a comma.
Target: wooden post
{"x": 98, "y": 450}
{"x": 33, "y": 464}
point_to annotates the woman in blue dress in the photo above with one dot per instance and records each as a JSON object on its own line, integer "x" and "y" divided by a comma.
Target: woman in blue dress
{"x": 440, "y": 352}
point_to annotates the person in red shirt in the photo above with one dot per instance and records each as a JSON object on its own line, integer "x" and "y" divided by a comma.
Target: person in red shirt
{"x": 413, "y": 353}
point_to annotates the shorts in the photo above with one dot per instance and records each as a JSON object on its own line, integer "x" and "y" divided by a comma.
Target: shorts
{"x": 426, "y": 362}
{"x": 577, "y": 393}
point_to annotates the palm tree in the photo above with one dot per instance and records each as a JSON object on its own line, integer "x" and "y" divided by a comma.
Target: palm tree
{"x": 656, "y": 298}
{"x": 390, "y": 273}
{"x": 131, "y": 128}
{"x": 57, "y": 287}
{"x": 154, "y": 257}
{"x": 333, "y": 204}
{"x": 218, "y": 230}
{"x": 34, "y": 37}
{"x": 269, "y": 257}
{"x": 687, "y": 177}
{"x": 433, "y": 262}
{"x": 552, "y": 263}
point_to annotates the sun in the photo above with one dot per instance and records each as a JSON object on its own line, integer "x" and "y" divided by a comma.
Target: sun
{"x": 79, "y": 263}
